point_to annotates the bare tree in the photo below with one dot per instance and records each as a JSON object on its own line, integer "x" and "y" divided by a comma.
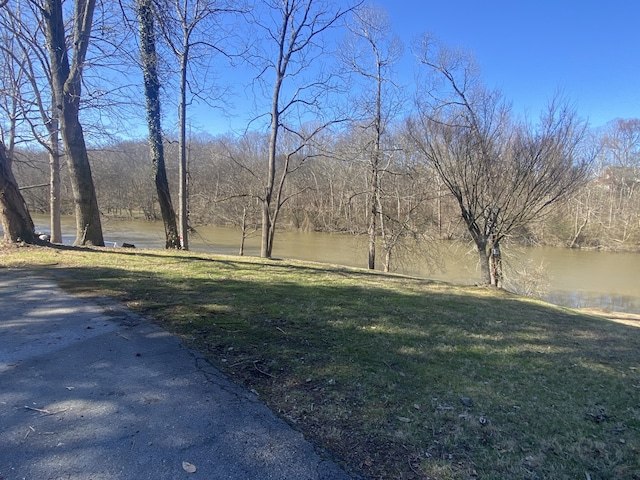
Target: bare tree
{"x": 503, "y": 175}
{"x": 14, "y": 215}
{"x": 621, "y": 177}
{"x": 194, "y": 31}
{"x": 291, "y": 44}
{"x": 237, "y": 194}
{"x": 66, "y": 79}
{"x": 149, "y": 64}
{"x": 402, "y": 219}
{"x": 25, "y": 53}
{"x": 370, "y": 52}
{"x": 16, "y": 220}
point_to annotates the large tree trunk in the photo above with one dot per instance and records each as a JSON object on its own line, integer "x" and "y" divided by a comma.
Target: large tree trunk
{"x": 67, "y": 85}
{"x": 483, "y": 258}
{"x": 495, "y": 265}
{"x": 152, "y": 96}
{"x": 16, "y": 220}
{"x": 88, "y": 226}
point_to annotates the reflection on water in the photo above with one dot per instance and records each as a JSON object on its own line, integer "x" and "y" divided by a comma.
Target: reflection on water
{"x": 604, "y": 301}
{"x": 575, "y": 278}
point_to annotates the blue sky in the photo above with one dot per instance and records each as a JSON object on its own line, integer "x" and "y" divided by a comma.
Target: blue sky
{"x": 587, "y": 49}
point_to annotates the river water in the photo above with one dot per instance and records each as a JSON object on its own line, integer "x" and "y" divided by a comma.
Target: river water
{"x": 574, "y": 278}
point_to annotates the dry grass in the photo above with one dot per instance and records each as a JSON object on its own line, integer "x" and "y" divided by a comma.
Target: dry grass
{"x": 397, "y": 377}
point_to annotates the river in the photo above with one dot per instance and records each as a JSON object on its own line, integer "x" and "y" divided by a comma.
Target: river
{"x": 574, "y": 278}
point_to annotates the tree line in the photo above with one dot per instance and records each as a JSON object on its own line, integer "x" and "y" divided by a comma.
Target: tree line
{"x": 330, "y": 193}
{"x": 341, "y": 148}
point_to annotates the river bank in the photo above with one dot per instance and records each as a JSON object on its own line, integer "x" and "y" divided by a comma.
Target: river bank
{"x": 567, "y": 277}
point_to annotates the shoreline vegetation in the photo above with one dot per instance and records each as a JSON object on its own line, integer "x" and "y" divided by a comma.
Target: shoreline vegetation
{"x": 396, "y": 377}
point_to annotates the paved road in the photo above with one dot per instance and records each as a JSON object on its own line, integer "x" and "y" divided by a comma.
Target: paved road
{"x": 95, "y": 392}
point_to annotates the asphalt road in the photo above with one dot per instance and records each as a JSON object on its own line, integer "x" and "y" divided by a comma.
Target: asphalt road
{"x": 90, "y": 391}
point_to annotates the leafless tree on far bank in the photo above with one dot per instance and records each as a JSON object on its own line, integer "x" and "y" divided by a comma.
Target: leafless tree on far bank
{"x": 502, "y": 174}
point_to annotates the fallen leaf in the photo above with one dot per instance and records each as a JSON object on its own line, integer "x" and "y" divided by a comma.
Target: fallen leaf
{"x": 404, "y": 419}
{"x": 189, "y": 467}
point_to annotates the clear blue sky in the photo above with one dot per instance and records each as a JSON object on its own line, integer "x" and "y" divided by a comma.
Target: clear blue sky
{"x": 587, "y": 49}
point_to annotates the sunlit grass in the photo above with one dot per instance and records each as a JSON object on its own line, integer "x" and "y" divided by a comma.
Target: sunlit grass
{"x": 398, "y": 377}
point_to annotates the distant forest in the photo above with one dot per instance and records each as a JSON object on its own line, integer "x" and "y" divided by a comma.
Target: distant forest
{"x": 329, "y": 192}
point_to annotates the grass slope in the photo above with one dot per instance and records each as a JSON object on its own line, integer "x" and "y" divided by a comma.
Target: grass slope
{"x": 397, "y": 377}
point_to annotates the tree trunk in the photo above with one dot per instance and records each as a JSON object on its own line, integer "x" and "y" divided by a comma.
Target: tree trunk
{"x": 67, "y": 85}
{"x": 495, "y": 265}
{"x": 243, "y": 228}
{"x": 267, "y": 227}
{"x": 152, "y": 96}
{"x": 372, "y": 230}
{"x": 265, "y": 245}
{"x": 16, "y": 220}
{"x": 483, "y": 258}
{"x": 183, "y": 215}
{"x": 387, "y": 260}
{"x": 374, "y": 192}
{"x": 88, "y": 226}
{"x": 578, "y": 228}
{"x": 54, "y": 180}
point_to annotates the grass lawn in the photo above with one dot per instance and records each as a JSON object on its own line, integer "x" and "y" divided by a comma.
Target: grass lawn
{"x": 398, "y": 378}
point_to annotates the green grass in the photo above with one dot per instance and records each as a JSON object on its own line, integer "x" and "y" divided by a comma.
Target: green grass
{"x": 397, "y": 377}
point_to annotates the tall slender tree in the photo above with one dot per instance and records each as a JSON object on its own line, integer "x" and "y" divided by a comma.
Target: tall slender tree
{"x": 370, "y": 52}
{"x": 292, "y": 42}
{"x": 195, "y": 32}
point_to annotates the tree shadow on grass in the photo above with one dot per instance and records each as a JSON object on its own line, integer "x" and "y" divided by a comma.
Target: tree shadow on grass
{"x": 375, "y": 371}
